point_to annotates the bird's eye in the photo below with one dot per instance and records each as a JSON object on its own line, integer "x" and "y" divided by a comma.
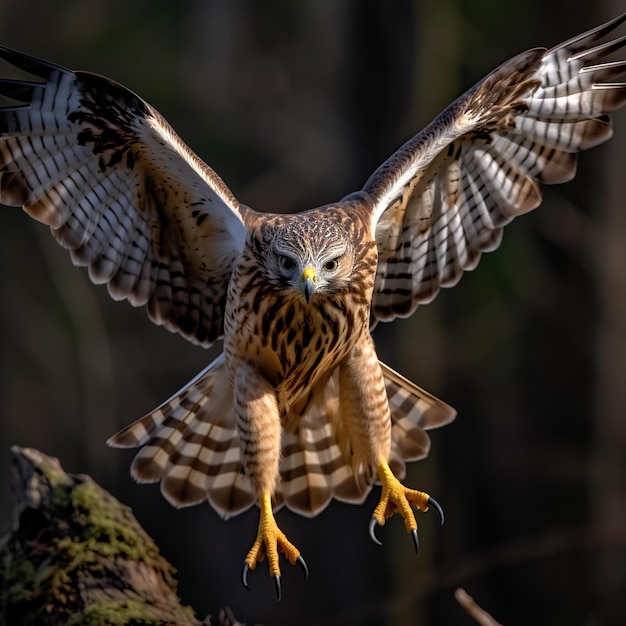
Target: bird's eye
{"x": 332, "y": 265}
{"x": 286, "y": 263}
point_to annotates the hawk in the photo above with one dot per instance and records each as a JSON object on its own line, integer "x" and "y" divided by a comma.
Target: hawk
{"x": 297, "y": 410}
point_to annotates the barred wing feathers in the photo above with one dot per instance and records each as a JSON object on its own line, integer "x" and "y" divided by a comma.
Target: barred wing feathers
{"x": 445, "y": 196}
{"x": 122, "y": 192}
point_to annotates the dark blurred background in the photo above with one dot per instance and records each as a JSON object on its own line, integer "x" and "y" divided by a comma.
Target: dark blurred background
{"x": 294, "y": 104}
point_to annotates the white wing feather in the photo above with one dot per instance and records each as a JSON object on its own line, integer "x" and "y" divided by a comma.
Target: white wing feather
{"x": 444, "y": 197}
{"x": 122, "y": 192}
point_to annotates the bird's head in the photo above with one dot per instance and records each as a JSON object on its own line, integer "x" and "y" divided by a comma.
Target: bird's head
{"x": 310, "y": 256}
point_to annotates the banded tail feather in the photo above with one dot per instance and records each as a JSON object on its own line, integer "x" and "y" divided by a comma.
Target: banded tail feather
{"x": 190, "y": 445}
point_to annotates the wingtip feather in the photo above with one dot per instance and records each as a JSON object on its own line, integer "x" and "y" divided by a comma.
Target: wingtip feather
{"x": 30, "y": 64}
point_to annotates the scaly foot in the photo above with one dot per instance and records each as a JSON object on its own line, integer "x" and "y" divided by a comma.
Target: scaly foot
{"x": 396, "y": 497}
{"x": 270, "y": 540}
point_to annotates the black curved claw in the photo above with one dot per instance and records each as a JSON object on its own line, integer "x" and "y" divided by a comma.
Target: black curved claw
{"x": 373, "y": 523}
{"x": 416, "y": 541}
{"x": 432, "y": 502}
{"x": 277, "y": 586}
{"x": 244, "y": 575}
{"x": 302, "y": 563}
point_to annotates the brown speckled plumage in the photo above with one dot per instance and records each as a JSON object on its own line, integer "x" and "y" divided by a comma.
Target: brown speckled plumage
{"x": 297, "y": 410}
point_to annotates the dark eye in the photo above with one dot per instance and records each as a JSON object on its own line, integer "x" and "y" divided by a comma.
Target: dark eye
{"x": 286, "y": 263}
{"x": 332, "y": 265}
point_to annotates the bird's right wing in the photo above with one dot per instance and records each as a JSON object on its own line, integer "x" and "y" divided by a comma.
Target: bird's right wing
{"x": 122, "y": 192}
{"x": 444, "y": 197}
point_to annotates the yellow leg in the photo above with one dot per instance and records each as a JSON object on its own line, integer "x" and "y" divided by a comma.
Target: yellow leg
{"x": 396, "y": 497}
{"x": 270, "y": 540}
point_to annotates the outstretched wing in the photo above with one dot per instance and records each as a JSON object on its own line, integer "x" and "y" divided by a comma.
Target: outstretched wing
{"x": 444, "y": 197}
{"x": 122, "y": 192}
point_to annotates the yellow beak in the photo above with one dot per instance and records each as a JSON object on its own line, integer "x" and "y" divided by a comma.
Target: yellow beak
{"x": 308, "y": 282}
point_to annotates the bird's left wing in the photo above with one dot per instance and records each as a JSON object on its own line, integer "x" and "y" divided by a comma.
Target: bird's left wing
{"x": 444, "y": 197}
{"x": 122, "y": 192}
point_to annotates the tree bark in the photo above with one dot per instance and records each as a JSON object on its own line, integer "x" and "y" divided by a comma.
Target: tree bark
{"x": 76, "y": 556}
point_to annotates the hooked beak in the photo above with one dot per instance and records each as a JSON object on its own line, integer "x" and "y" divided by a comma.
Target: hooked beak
{"x": 308, "y": 282}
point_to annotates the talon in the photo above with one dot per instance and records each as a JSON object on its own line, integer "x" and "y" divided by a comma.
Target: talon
{"x": 270, "y": 542}
{"x": 244, "y": 575}
{"x": 416, "y": 541}
{"x": 373, "y": 532}
{"x": 395, "y": 497}
{"x": 432, "y": 502}
{"x": 302, "y": 563}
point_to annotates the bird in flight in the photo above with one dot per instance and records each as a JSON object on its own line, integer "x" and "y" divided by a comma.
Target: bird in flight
{"x": 297, "y": 410}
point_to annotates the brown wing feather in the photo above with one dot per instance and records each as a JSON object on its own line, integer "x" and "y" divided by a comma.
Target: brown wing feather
{"x": 445, "y": 196}
{"x": 122, "y": 192}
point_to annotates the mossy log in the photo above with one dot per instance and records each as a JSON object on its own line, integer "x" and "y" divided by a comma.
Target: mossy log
{"x": 74, "y": 555}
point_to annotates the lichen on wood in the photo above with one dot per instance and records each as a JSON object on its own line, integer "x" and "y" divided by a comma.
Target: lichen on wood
{"x": 75, "y": 555}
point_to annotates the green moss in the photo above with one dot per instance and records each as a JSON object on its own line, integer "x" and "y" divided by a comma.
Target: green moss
{"x": 67, "y": 543}
{"x": 101, "y": 528}
{"x": 60, "y": 494}
{"x": 18, "y": 579}
{"x": 114, "y": 614}
{"x": 109, "y": 527}
{"x": 53, "y": 472}
{"x": 82, "y": 534}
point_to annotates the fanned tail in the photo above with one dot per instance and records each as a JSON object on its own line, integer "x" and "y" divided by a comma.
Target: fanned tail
{"x": 413, "y": 411}
{"x": 317, "y": 466}
{"x": 190, "y": 444}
